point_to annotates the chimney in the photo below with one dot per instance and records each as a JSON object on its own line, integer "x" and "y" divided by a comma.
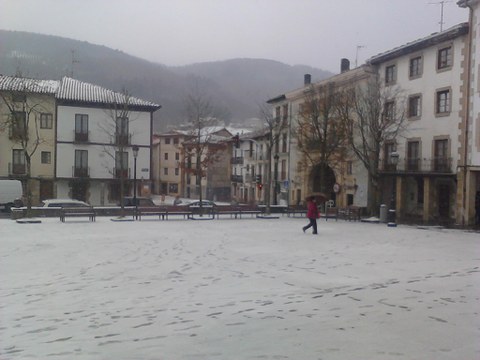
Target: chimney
{"x": 307, "y": 79}
{"x": 344, "y": 65}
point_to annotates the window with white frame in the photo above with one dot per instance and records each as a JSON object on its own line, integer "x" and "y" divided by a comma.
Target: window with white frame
{"x": 444, "y": 58}
{"x": 46, "y": 121}
{"x": 443, "y": 102}
{"x": 414, "y": 106}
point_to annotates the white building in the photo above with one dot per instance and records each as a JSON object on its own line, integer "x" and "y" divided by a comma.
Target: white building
{"x": 429, "y": 72}
{"x": 469, "y": 175}
{"x": 96, "y": 131}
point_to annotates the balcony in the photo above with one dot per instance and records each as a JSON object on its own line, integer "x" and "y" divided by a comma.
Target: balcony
{"x": 436, "y": 165}
{"x": 80, "y": 172}
{"x": 121, "y": 173}
{"x": 122, "y": 139}
{"x": 237, "y": 161}
{"x": 237, "y": 178}
{"x": 17, "y": 169}
{"x": 81, "y": 137}
{"x": 17, "y": 134}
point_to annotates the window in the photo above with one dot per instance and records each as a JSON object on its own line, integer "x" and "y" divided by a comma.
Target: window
{"x": 121, "y": 130}
{"x": 165, "y": 171}
{"x": 285, "y": 112}
{"x": 177, "y": 156}
{"x": 414, "y": 106}
{"x": 416, "y": 67}
{"x": 388, "y": 162}
{"x": 167, "y": 141}
{"x": 444, "y": 58}
{"x": 389, "y": 111}
{"x": 413, "y": 155}
{"x": 81, "y": 127}
{"x": 175, "y": 141}
{"x": 19, "y": 125}
{"x": 441, "y": 155}
{"x": 284, "y": 143}
{"x": 173, "y": 188}
{"x": 443, "y": 102}
{"x": 283, "y": 170}
{"x": 177, "y": 171}
{"x": 349, "y": 168}
{"x": 81, "y": 163}
{"x": 277, "y": 113}
{"x": 46, "y": 121}
{"x": 46, "y": 157}
{"x": 18, "y": 160}
{"x": 390, "y": 74}
{"x": 121, "y": 164}
{"x": 165, "y": 156}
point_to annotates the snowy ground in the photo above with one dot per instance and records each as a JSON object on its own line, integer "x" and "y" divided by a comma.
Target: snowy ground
{"x": 237, "y": 289}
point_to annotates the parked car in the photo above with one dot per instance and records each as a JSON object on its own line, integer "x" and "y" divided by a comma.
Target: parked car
{"x": 141, "y": 201}
{"x": 10, "y": 194}
{"x": 62, "y": 203}
{"x": 205, "y": 203}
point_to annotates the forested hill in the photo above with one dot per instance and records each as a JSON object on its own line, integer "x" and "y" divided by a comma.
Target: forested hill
{"x": 237, "y": 86}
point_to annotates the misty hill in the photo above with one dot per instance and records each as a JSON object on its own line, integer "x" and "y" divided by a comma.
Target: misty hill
{"x": 237, "y": 86}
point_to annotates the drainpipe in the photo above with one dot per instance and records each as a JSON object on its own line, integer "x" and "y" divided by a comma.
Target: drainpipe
{"x": 467, "y": 115}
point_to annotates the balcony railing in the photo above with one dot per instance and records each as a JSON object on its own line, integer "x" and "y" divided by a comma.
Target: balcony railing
{"x": 122, "y": 139}
{"x": 237, "y": 161}
{"x": 17, "y": 134}
{"x": 81, "y": 136}
{"x": 237, "y": 178}
{"x": 426, "y": 165}
{"x": 118, "y": 173}
{"x": 80, "y": 172}
{"x": 17, "y": 169}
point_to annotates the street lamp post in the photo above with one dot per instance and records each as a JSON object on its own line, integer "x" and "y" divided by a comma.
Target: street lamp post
{"x": 135, "y": 155}
{"x": 275, "y": 179}
{"x": 394, "y": 156}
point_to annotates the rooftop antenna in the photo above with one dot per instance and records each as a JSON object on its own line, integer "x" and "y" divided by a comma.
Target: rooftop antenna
{"x": 441, "y": 3}
{"x": 74, "y": 61}
{"x": 356, "y": 54}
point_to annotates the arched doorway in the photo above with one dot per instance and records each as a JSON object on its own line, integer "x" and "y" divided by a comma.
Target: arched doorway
{"x": 328, "y": 181}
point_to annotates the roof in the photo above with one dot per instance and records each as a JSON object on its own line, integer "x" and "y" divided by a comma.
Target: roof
{"x": 79, "y": 91}
{"x": 433, "y": 39}
{"x": 14, "y": 83}
{"x": 72, "y": 90}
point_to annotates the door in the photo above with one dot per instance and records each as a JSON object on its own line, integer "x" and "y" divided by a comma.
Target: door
{"x": 444, "y": 201}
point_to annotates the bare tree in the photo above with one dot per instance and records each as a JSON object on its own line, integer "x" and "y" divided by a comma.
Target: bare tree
{"x": 373, "y": 115}
{"x": 274, "y": 127}
{"x": 117, "y": 128}
{"x": 203, "y": 147}
{"x": 320, "y": 134}
{"x": 25, "y": 107}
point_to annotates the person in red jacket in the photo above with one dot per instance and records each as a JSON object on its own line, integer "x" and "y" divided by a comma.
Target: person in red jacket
{"x": 312, "y": 214}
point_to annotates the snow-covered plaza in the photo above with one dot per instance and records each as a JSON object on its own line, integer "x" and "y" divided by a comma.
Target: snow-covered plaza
{"x": 237, "y": 289}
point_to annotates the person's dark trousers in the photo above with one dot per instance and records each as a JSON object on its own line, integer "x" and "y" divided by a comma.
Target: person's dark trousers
{"x": 313, "y": 223}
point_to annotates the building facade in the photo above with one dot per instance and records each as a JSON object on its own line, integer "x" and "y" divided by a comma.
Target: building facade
{"x": 86, "y": 136}
{"x": 429, "y": 72}
{"x": 468, "y": 180}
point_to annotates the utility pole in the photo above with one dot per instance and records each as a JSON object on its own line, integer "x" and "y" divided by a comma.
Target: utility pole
{"x": 356, "y": 54}
{"x": 74, "y": 61}
{"x": 441, "y": 3}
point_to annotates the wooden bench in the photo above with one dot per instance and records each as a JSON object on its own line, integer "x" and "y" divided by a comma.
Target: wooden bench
{"x": 78, "y": 212}
{"x": 151, "y": 211}
{"x": 331, "y": 213}
{"x": 294, "y": 210}
{"x": 350, "y": 213}
{"x": 175, "y": 210}
{"x": 236, "y": 211}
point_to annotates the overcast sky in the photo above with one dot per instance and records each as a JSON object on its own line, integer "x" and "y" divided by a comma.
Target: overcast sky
{"x": 178, "y": 32}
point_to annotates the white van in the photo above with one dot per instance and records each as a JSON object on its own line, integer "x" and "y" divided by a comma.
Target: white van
{"x": 10, "y": 194}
